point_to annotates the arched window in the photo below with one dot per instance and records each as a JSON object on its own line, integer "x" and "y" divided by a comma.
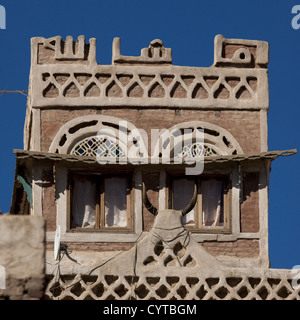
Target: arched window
{"x": 195, "y": 150}
{"x": 100, "y": 146}
{"x": 181, "y": 140}
{"x": 212, "y": 207}
{"x": 105, "y": 133}
{"x": 100, "y": 198}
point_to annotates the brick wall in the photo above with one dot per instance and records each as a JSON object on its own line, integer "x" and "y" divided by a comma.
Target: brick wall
{"x": 250, "y": 203}
{"x": 153, "y": 118}
{"x": 240, "y": 248}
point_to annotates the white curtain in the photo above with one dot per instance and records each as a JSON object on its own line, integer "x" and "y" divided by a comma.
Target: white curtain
{"x": 84, "y": 191}
{"x": 115, "y": 202}
{"x": 183, "y": 190}
{"x": 212, "y": 193}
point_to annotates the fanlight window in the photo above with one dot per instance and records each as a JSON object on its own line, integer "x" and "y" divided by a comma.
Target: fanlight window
{"x": 200, "y": 139}
{"x": 197, "y": 150}
{"x": 99, "y": 146}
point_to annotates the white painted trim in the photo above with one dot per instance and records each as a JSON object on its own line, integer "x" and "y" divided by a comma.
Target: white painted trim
{"x": 35, "y": 143}
{"x": 215, "y": 141}
{"x": 162, "y": 195}
{"x": 256, "y": 102}
{"x": 94, "y": 129}
{"x": 263, "y": 217}
{"x": 99, "y": 237}
{"x": 61, "y": 186}
{"x": 137, "y": 202}
{"x": 235, "y": 202}
{"x": 37, "y": 191}
{"x": 263, "y": 131}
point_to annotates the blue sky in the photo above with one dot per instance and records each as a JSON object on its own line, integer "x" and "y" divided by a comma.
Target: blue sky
{"x": 189, "y": 28}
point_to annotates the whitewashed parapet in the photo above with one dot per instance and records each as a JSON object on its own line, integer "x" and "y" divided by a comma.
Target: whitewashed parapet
{"x": 67, "y": 74}
{"x": 239, "y": 284}
{"x": 241, "y": 53}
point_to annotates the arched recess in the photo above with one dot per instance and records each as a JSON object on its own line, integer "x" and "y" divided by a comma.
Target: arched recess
{"x": 181, "y": 139}
{"x": 94, "y": 134}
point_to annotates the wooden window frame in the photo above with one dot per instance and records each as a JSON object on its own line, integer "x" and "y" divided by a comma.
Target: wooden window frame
{"x": 198, "y": 227}
{"x": 100, "y": 200}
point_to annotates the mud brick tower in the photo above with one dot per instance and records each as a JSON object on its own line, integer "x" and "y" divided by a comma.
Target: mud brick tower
{"x": 135, "y": 224}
